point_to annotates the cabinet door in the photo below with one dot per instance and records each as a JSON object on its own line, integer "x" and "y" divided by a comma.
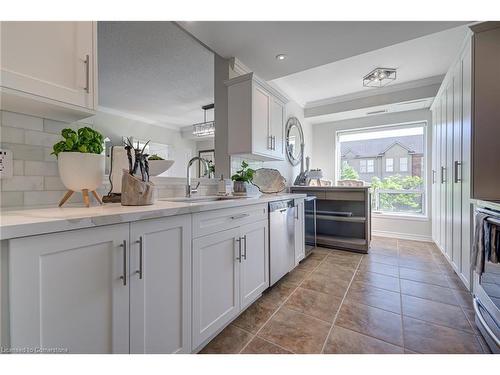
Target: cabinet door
{"x": 299, "y": 233}
{"x": 160, "y": 285}
{"x": 456, "y": 217}
{"x": 261, "y": 131}
{"x": 449, "y": 170}
{"x": 466, "y": 165}
{"x": 216, "y": 283}
{"x": 277, "y": 127}
{"x": 53, "y": 60}
{"x": 254, "y": 261}
{"x": 443, "y": 176}
{"x": 67, "y": 291}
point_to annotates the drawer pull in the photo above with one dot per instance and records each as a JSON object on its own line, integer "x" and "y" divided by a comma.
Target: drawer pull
{"x": 124, "y": 276}
{"x": 240, "y": 216}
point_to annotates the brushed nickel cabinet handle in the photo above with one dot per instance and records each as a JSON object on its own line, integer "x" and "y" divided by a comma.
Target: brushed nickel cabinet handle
{"x": 443, "y": 171}
{"x": 87, "y": 74}
{"x": 240, "y": 216}
{"x": 457, "y": 165}
{"x": 245, "y": 248}
{"x": 433, "y": 176}
{"x": 238, "y": 258}
{"x": 141, "y": 255}
{"x": 124, "y": 275}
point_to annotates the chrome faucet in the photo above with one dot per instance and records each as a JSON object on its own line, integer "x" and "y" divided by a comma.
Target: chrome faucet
{"x": 190, "y": 191}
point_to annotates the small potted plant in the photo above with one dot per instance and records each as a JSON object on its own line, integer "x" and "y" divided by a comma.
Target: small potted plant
{"x": 80, "y": 162}
{"x": 241, "y": 178}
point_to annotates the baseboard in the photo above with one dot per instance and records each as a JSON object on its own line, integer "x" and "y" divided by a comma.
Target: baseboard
{"x": 402, "y": 236}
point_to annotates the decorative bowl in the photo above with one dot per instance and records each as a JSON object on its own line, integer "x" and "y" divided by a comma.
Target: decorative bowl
{"x": 157, "y": 167}
{"x": 269, "y": 180}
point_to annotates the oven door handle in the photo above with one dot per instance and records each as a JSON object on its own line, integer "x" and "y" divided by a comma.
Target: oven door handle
{"x": 479, "y": 315}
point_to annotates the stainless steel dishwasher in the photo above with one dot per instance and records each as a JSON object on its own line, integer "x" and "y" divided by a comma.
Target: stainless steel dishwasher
{"x": 281, "y": 239}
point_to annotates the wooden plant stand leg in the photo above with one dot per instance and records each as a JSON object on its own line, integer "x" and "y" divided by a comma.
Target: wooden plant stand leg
{"x": 68, "y": 194}
{"x": 86, "y": 199}
{"x": 96, "y": 196}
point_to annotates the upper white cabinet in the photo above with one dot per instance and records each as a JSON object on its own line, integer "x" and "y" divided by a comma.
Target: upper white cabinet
{"x": 70, "y": 290}
{"x": 49, "y": 69}
{"x": 256, "y": 119}
{"x": 160, "y": 285}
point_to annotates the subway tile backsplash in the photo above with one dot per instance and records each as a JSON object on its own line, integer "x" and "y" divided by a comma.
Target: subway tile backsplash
{"x": 36, "y": 177}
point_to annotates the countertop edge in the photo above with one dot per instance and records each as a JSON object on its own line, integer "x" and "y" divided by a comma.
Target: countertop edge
{"x": 39, "y": 221}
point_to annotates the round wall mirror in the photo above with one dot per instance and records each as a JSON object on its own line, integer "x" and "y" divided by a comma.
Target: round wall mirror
{"x": 294, "y": 140}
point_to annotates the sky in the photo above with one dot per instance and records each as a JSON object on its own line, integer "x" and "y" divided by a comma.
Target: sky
{"x": 376, "y": 134}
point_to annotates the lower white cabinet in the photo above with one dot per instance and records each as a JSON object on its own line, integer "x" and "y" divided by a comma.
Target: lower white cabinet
{"x": 230, "y": 270}
{"x": 300, "y": 250}
{"x": 160, "y": 285}
{"x": 67, "y": 291}
{"x": 112, "y": 289}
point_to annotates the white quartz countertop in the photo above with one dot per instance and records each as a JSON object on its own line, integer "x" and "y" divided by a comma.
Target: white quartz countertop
{"x": 29, "y": 222}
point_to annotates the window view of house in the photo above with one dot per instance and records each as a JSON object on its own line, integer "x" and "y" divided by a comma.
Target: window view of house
{"x": 390, "y": 159}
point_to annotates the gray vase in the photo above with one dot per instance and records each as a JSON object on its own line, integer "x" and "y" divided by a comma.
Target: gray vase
{"x": 239, "y": 188}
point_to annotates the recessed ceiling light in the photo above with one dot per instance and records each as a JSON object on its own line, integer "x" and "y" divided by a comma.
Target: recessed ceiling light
{"x": 281, "y": 57}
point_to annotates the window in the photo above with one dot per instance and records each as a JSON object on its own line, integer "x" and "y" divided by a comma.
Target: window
{"x": 370, "y": 166}
{"x": 403, "y": 164}
{"x": 389, "y": 165}
{"x": 362, "y": 166}
{"x": 398, "y": 184}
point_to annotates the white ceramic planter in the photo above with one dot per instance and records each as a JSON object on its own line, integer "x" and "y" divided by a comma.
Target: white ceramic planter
{"x": 80, "y": 171}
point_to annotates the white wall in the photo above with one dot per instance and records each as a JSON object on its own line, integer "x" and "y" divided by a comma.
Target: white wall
{"x": 323, "y": 156}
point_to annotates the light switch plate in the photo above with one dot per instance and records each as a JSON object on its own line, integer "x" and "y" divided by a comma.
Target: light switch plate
{"x": 6, "y": 164}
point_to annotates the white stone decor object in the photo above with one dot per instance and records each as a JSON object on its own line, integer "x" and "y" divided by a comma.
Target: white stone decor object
{"x": 269, "y": 180}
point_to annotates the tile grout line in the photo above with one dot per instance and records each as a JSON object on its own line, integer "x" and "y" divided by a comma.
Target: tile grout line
{"x": 279, "y": 307}
{"x": 340, "y": 306}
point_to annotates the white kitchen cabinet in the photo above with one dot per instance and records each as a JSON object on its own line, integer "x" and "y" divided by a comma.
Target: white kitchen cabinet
{"x": 254, "y": 261}
{"x": 451, "y": 162}
{"x": 70, "y": 290}
{"x": 256, "y": 119}
{"x": 160, "y": 285}
{"x": 300, "y": 251}
{"x": 216, "y": 283}
{"x": 49, "y": 69}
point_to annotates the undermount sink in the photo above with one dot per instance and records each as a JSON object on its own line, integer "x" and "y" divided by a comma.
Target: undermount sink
{"x": 201, "y": 199}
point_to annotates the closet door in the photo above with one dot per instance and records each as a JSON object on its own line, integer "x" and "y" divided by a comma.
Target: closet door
{"x": 456, "y": 183}
{"x": 435, "y": 174}
{"x": 466, "y": 165}
{"x": 449, "y": 169}
{"x": 442, "y": 181}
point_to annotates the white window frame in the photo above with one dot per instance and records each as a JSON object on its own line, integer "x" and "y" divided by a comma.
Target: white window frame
{"x": 362, "y": 166}
{"x": 405, "y": 159}
{"x": 387, "y": 164}
{"x": 370, "y": 166}
{"x": 424, "y": 162}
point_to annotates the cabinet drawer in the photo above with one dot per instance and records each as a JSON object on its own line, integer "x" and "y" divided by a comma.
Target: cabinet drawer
{"x": 345, "y": 195}
{"x": 218, "y": 220}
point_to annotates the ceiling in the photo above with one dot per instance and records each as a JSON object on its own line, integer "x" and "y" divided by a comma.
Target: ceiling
{"x": 416, "y": 59}
{"x": 307, "y": 44}
{"x": 154, "y": 72}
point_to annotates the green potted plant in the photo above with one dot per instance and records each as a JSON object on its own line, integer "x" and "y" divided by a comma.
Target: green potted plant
{"x": 81, "y": 162}
{"x": 241, "y": 178}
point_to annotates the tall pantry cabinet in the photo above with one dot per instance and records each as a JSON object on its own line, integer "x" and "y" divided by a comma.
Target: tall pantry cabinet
{"x": 451, "y": 165}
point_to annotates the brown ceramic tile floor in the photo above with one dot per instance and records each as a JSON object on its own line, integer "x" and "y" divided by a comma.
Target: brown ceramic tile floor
{"x": 402, "y": 297}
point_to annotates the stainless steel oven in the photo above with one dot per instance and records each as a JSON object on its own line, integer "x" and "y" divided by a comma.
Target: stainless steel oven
{"x": 486, "y": 282}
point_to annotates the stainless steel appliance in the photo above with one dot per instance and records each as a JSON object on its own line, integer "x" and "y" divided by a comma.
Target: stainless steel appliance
{"x": 486, "y": 285}
{"x": 310, "y": 223}
{"x": 281, "y": 239}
